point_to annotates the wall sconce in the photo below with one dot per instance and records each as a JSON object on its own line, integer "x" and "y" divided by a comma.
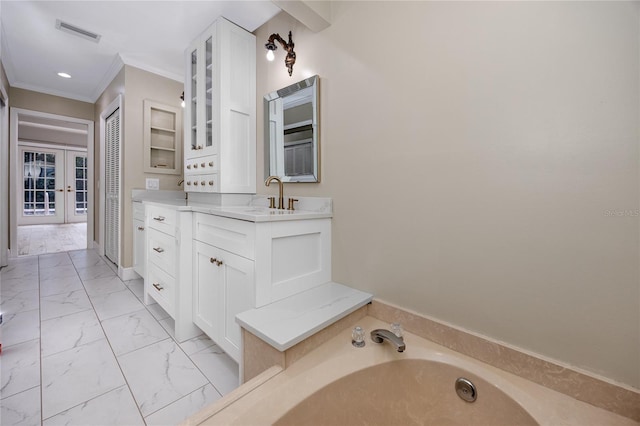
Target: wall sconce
{"x": 291, "y": 55}
{"x": 182, "y": 97}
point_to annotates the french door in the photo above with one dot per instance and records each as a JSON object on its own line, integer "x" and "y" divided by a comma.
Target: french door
{"x": 53, "y": 186}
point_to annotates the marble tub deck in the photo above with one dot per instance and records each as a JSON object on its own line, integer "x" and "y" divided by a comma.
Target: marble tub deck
{"x": 79, "y": 347}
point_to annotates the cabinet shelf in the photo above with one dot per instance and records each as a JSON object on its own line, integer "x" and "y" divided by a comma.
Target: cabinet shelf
{"x": 162, "y": 130}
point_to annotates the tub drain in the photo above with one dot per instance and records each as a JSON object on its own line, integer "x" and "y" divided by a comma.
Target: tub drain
{"x": 466, "y": 390}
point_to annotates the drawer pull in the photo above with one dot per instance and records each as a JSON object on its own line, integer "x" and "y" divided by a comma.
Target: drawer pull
{"x": 216, "y": 261}
{"x": 140, "y": 228}
{"x": 159, "y": 218}
{"x": 159, "y": 249}
{"x": 158, "y": 286}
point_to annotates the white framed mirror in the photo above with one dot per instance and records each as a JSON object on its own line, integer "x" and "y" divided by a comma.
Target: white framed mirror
{"x": 291, "y": 132}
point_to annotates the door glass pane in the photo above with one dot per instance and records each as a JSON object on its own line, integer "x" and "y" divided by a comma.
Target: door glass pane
{"x": 81, "y": 184}
{"x": 39, "y": 174}
{"x": 194, "y": 105}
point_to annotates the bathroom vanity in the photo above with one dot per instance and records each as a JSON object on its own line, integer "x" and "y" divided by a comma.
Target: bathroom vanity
{"x": 207, "y": 263}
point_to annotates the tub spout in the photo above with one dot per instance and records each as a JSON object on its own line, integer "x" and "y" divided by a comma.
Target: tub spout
{"x": 381, "y": 335}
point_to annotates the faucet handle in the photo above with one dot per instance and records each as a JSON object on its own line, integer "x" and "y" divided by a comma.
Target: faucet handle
{"x": 291, "y": 201}
{"x": 272, "y": 202}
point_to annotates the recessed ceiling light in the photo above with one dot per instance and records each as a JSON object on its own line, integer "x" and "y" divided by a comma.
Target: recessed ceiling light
{"x": 64, "y": 75}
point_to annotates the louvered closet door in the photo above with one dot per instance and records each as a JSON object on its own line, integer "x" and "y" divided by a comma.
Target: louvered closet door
{"x": 112, "y": 188}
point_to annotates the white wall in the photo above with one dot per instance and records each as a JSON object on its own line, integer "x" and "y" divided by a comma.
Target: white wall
{"x": 483, "y": 161}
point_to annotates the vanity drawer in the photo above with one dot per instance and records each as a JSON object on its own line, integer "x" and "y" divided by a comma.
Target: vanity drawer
{"x": 161, "y": 249}
{"x": 202, "y": 183}
{"x": 161, "y": 287}
{"x": 207, "y": 164}
{"x": 162, "y": 219}
{"x": 138, "y": 210}
{"x": 235, "y": 236}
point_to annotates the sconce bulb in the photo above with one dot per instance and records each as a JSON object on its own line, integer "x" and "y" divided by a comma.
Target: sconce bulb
{"x": 270, "y": 55}
{"x": 182, "y": 104}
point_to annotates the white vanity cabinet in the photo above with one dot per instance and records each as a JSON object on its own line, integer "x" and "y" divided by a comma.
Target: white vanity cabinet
{"x": 139, "y": 239}
{"x": 168, "y": 268}
{"x": 240, "y": 265}
{"x": 220, "y": 111}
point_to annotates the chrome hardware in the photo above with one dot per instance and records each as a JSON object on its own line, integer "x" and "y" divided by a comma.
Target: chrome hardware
{"x": 380, "y": 335}
{"x": 195, "y": 166}
{"x": 210, "y": 183}
{"x": 291, "y": 201}
{"x": 158, "y": 249}
{"x": 158, "y": 286}
{"x": 357, "y": 337}
{"x": 203, "y": 183}
{"x": 195, "y": 183}
{"x": 466, "y": 390}
{"x": 280, "y": 190}
{"x": 189, "y": 166}
{"x": 203, "y": 165}
{"x": 210, "y": 163}
{"x": 60, "y": 190}
{"x": 140, "y": 228}
{"x": 159, "y": 218}
{"x": 188, "y": 183}
{"x": 216, "y": 261}
{"x": 272, "y": 202}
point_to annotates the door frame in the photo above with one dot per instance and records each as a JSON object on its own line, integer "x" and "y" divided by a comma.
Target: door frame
{"x": 13, "y": 171}
{"x": 4, "y": 176}
{"x": 116, "y": 104}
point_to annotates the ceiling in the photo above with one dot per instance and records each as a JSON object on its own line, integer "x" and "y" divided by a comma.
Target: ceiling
{"x": 151, "y": 35}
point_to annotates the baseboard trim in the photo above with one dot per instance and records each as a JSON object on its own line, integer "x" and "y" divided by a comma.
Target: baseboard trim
{"x": 127, "y": 274}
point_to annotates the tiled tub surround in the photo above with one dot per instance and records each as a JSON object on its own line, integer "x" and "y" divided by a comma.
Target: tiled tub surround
{"x": 79, "y": 347}
{"x": 550, "y": 378}
{"x": 323, "y": 382}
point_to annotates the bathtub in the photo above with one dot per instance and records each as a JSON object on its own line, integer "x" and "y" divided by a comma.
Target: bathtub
{"x": 338, "y": 384}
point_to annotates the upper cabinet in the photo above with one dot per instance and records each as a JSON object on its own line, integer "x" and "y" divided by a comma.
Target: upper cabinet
{"x": 220, "y": 111}
{"x": 162, "y": 138}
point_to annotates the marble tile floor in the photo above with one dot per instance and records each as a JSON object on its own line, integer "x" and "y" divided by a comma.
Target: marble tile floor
{"x": 43, "y": 239}
{"x": 80, "y": 348}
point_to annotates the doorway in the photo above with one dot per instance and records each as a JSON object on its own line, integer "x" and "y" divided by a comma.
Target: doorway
{"x": 51, "y": 167}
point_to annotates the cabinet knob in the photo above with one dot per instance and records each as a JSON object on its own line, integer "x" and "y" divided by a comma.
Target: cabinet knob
{"x": 195, "y": 166}
{"x": 216, "y": 261}
{"x": 210, "y": 183}
{"x": 158, "y": 249}
{"x": 199, "y": 147}
{"x": 203, "y": 183}
{"x": 210, "y": 163}
{"x": 203, "y": 165}
{"x": 140, "y": 228}
{"x": 195, "y": 183}
{"x": 189, "y": 166}
{"x": 158, "y": 286}
{"x": 188, "y": 183}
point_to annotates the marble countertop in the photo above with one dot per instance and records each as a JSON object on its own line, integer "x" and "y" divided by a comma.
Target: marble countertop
{"x": 252, "y": 208}
{"x": 289, "y": 321}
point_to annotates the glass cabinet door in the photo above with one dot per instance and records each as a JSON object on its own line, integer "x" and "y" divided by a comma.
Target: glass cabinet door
{"x": 194, "y": 100}
{"x": 209, "y": 92}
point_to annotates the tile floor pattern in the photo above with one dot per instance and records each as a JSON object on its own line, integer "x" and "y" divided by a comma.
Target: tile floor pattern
{"x": 42, "y": 239}
{"x": 80, "y": 348}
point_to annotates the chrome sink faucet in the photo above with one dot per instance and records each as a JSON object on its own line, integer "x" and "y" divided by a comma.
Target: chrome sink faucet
{"x": 380, "y": 335}
{"x": 280, "y": 188}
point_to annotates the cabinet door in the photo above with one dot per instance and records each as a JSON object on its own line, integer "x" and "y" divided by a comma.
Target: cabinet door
{"x": 206, "y": 282}
{"x": 236, "y": 295}
{"x": 138, "y": 246}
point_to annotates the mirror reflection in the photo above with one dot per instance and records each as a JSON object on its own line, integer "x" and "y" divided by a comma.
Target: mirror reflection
{"x": 291, "y": 132}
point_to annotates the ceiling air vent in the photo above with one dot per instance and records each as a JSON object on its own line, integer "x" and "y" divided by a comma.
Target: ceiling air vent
{"x": 72, "y": 29}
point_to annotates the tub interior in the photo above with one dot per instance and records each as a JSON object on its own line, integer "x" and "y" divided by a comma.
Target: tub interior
{"x": 406, "y": 392}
